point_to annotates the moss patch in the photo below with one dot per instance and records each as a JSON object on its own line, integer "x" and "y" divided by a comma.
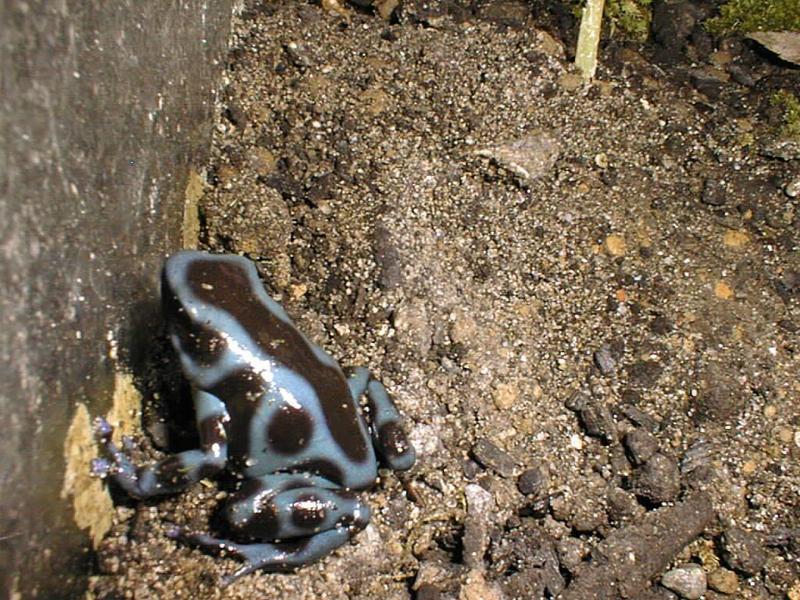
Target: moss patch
{"x": 744, "y": 16}
{"x": 629, "y": 19}
{"x": 790, "y": 106}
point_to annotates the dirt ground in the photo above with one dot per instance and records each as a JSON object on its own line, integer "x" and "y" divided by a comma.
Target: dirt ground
{"x": 585, "y": 300}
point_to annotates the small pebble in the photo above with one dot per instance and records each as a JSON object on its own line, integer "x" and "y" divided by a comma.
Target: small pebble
{"x": 742, "y": 551}
{"x": 615, "y": 245}
{"x": 480, "y": 504}
{"x": 688, "y": 581}
{"x": 488, "y": 455}
{"x": 723, "y": 291}
{"x": 640, "y": 445}
{"x": 604, "y": 361}
{"x": 598, "y": 421}
{"x": 534, "y": 481}
{"x": 724, "y": 581}
{"x": 792, "y": 188}
{"x": 505, "y": 396}
{"x": 713, "y": 193}
{"x": 658, "y": 480}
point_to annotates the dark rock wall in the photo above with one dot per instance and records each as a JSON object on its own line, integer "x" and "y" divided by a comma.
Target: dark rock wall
{"x": 104, "y": 106}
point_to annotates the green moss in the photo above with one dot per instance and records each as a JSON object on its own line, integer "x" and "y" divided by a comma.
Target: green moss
{"x": 744, "y": 16}
{"x": 790, "y": 105}
{"x": 629, "y": 18}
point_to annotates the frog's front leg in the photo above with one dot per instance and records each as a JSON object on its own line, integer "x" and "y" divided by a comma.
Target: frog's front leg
{"x": 388, "y": 436}
{"x": 176, "y": 472}
{"x": 309, "y": 511}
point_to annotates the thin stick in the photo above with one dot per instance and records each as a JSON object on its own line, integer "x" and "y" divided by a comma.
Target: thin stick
{"x": 589, "y": 38}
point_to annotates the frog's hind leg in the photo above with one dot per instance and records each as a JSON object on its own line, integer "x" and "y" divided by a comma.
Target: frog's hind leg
{"x": 388, "y": 436}
{"x": 307, "y": 513}
{"x": 273, "y": 557}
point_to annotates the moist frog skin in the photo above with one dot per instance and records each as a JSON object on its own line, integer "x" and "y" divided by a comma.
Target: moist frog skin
{"x": 275, "y": 410}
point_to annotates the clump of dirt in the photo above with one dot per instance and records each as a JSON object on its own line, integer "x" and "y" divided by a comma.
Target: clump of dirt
{"x": 585, "y": 300}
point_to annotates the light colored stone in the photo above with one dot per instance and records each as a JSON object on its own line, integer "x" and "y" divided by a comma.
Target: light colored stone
{"x": 688, "y": 581}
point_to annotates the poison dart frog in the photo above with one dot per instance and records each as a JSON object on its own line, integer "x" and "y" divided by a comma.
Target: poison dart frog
{"x": 273, "y": 409}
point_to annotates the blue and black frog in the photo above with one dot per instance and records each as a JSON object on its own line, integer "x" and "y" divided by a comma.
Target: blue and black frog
{"x": 273, "y": 409}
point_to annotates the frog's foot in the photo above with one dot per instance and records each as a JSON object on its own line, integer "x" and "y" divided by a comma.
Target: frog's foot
{"x": 169, "y": 475}
{"x": 119, "y": 467}
{"x": 307, "y": 513}
{"x": 388, "y": 436}
{"x": 273, "y": 557}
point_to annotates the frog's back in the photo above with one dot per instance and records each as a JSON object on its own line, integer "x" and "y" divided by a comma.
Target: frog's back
{"x": 289, "y": 403}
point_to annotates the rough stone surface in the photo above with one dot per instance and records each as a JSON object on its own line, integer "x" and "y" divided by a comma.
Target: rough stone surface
{"x": 658, "y": 480}
{"x": 631, "y": 556}
{"x": 743, "y": 550}
{"x": 103, "y": 108}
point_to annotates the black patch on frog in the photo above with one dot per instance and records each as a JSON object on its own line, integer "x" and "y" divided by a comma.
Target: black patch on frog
{"x": 321, "y": 466}
{"x": 308, "y": 512}
{"x": 212, "y": 431}
{"x": 290, "y": 430}
{"x": 241, "y": 392}
{"x": 392, "y": 440}
{"x": 224, "y": 284}
{"x": 197, "y": 339}
{"x": 264, "y": 523}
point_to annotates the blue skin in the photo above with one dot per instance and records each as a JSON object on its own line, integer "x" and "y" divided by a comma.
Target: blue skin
{"x": 275, "y": 410}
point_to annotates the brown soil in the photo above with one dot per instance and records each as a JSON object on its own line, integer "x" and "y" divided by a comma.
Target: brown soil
{"x": 636, "y": 294}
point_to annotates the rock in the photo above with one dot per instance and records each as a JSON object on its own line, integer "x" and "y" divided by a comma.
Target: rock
{"x": 741, "y": 75}
{"x": 598, "y": 421}
{"x": 615, "y": 245}
{"x": 637, "y": 416}
{"x": 428, "y": 591}
{"x": 688, "y": 581}
{"x": 604, "y": 361}
{"x": 785, "y": 44}
{"x": 528, "y": 158}
{"x": 640, "y": 446}
{"x": 673, "y": 23}
{"x": 488, "y": 455}
{"x": 723, "y": 581}
{"x": 742, "y": 550}
{"x": 480, "y": 505}
{"x": 792, "y": 188}
{"x": 298, "y": 55}
{"x": 720, "y": 396}
{"x": 658, "y": 480}
{"x": 535, "y": 481}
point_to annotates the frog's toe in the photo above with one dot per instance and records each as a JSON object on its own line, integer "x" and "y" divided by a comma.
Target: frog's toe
{"x": 102, "y": 429}
{"x": 100, "y": 467}
{"x": 174, "y": 532}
